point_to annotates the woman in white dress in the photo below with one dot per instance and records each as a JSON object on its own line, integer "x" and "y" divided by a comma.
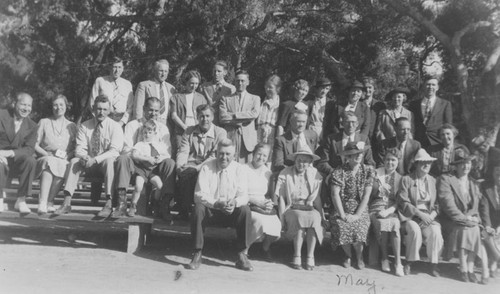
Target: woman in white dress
{"x": 265, "y": 225}
{"x": 55, "y": 146}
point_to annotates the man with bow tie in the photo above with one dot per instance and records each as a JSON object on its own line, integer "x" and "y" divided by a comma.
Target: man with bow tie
{"x": 198, "y": 145}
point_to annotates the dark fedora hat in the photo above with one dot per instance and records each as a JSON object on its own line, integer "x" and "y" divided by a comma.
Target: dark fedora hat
{"x": 356, "y": 84}
{"x": 396, "y": 90}
{"x": 462, "y": 155}
{"x": 354, "y": 148}
{"x": 322, "y": 82}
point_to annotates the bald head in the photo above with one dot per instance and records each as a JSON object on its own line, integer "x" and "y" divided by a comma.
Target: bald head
{"x": 22, "y": 108}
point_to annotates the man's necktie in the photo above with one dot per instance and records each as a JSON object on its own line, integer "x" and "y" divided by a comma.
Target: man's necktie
{"x": 223, "y": 186}
{"x": 154, "y": 152}
{"x": 95, "y": 141}
{"x": 201, "y": 146}
{"x": 162, "y": 99}
{"x": 427, "y": 111}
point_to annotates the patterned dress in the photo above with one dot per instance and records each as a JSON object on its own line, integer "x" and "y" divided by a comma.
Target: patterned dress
{"x": 352, "y": 186}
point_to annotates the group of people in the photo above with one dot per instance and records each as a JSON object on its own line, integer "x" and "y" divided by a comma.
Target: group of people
{"x": 271, "y": 167}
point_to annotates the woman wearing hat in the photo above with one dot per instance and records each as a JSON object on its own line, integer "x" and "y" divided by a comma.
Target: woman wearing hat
{"x": 351, "y": 186}
{"x": 459, "y": 197}
{"x": 383, "y": 210}
{"x": 386, "y": 123}
{"x": 419, "y": 207}
{"x": 299, "y": 207}
{"x": 445, "y": 151}
{"x": 362, "y": 111}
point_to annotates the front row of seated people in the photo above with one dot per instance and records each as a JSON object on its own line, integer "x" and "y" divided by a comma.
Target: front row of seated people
{"x": 399, "y": 196}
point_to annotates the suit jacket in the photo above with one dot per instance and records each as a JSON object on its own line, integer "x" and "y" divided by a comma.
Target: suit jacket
{"x": 178, "y": 105}
{"x": 437, "y": 152}
{"x": 285, "y": 111}
{"x": 330, "y": 149}
{"x": 286, "y": 145}
{"x": 148, "y": 89}
{"x": 408, "y": 195}
{"x": 490, "y": 207}
{"x": 376, "y": 107}
{"x": 411, "y": 149}
{"x": 22, "y": 142}
{"x": 238, "y": 117}
{"x": 214, "y": 97}
{"x": 363, "y": 113}
{"x": 386, "y": 124}
{"x": 441, "y": 113}
{"x": 331, "y": 119}
{"x": 189, "y": 146}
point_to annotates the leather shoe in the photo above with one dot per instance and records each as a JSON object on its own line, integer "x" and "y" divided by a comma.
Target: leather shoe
{"x": 21, "y": 206}
{"x": 243, "y": 263}
{"x": 472, "y": 278}
{"x": 106, "y": 210}
{"x": 485, "y": 281}
{"x": 195, "y": 262}
{"x": 347, "y": 263}
{"x": 385, "y": 265}
{"x": 120, "y": 211}
{"x": 435, "y": 271}
{"x": 63, "y": 209}
{"x": 310, "y": 264}
{"x": 464, "y": 277}
{"x": 132, "y": 210}
{"x": 296, "y": 263}
{"x": 268, "y": 256}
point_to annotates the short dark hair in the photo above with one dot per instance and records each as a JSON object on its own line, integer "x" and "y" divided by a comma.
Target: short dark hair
{"x": 151, "y": 100}
{"x": 101, "y": 99}
{"x": 242, "y": 72}
{"x": 394, "y": 152}
{"x": 149, "y": 125}
{"x": 115, "y": 59}
{"x": 221, "y": 63}
{"x": 401, "y": 119}
{"x": 448, "y": 126}
{"x": 204, "y": 107}
{"x": 260, "y": 146}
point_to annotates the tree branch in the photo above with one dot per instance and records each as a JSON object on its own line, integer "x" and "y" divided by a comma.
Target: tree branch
{"x": 457, "y": 36}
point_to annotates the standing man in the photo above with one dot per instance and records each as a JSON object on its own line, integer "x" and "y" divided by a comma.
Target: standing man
{"x": 221, "y": 194}
{"x": 402, "y": 141}
{"x": 157, "y": 87}
{"x": 98, "y": 144}
{"x": 237, "y": 115}
{"x": 198, "y": 145}
{"x": 431, "y": 112}
{"x": 125, "y": 166}
{"x": 17, "y": 144}
{"x": 376, "y": 106}
{"x": 318, "y": 106}
{"x": 118, "y": 90}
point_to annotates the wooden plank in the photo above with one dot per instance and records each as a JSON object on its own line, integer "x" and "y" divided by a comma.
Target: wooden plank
{"x": 78, "y": 217}
{"x": 138, "y": 234}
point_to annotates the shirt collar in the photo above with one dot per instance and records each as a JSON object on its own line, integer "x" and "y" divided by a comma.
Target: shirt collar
{"x": 210, "y": 133}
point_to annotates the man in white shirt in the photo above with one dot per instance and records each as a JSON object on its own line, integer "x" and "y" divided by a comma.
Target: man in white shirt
{"x": 98, "y": 143}
{"x": 118, "y": 90}
{"x": 221, "y": 194}
{"x": 157, "y": 87}
{"x": 125, "y": 166}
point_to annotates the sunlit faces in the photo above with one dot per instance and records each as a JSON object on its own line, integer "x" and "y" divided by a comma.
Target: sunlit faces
{"x": 225, "y": 154}
{"x": 323, "y": 91}
{"x": 101, "y": 110}
{"x": 390, "y": 163}
{"x": 464, "y": 168}
{"x": 219, "y": 73}
{"x": 398, "y": 99}
{"x": 23, "y": 106}
{"x": 298, "y": 122}
{"x": 355, "y": 94}
{"x": 302, "y": 162}
{"x": 370, "y": 89}
{"x": 423, "y": 167}
{"x": 271, "y": 90}
{"x": 205, "y": 119}
{"x": 260, "y": 156}
{"x": 117, "y": 70}
{"x": 496, "y": 175}
{"x": 447, "y": 137}
{"x": 300, "y": 93}
{"x": 152, "y": 110}
{"x": 403, "y": 130}
{"x": 354, "y": 159}
{"x": 241, "y": 82}
{"x": 59, "y": 107}
{"x": 192, "y": 84}
{"x": 431, "y": 87}
{"x": 161, "y": 72}
{"x": 149, "y": 134}
{"x": 350, "y": 124}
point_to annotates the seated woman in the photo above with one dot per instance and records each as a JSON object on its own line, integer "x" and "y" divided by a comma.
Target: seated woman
{"x": 417, "y": 202}
{"x": 351, "y": 186}
{"x": 268, "y": 117}
{"x": 491, "y": 216}
{"x": 183, "y": 106}
{"x": 459, "y": 198}
{"x": 386, "y": 122}
{"x": 445, "y": 151}
{"x": 300, "y": 90}
{"x": 265, "y": 225}
{"x": 299, "y": 207}
{"x": 383, "y": 212}
{"x": 55, "y": 147}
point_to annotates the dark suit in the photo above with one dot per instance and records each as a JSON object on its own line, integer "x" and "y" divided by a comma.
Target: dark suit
{"x": 490, "y": 215}
{"x": 333, "y": 113}
{"x": 411, "y": 148}
{"x": 286, "y": 145}
{"x": 441, "y": 113}
{"x": 331, "y": 119}
{"x": 330, "y": 149}
{"x": 23, "y": 144}
{"x": 376, "y": 106}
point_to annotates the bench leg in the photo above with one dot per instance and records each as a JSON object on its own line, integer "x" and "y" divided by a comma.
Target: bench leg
{"x": 95, "y": 193}
{"x": 137, "y": 236}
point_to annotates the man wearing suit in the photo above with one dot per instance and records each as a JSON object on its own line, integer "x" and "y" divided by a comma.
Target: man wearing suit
{"x": 330, "y": 149}
{"x": 402, "y": 141}
{"x": 375, "y": 105}
{"x": 237, "y": 115}
{"x": 297, "y": 138}
{"x": 218, "y": 88}
{"x": 431, "y": 112}
{"x": 18, "y": 135}
{"x": 198, "y": 145}
{"x": 157, "y": 87}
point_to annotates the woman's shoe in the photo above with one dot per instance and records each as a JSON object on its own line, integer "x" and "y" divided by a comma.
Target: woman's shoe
{"x": 296, "y": 263}
{"x": 21, "y": 206}
{"x": 51, "y": 208}
{"x": 132, "y": 210}
{"x": 310, "y": 263}
{"x": 385, "y": 265}
{"x": 347, "y": 263}
{"x": 399, "y": 270}
{"x": 464, "y": 277}
{"x": 472, "y": 278}
{"x": 361, "y": 264}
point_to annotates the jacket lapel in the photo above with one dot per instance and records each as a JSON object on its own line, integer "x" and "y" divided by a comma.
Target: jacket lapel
{"x": 455, "y": 186}
{"x": 491, "y": 193}
{"x": 8, "y": 125}
{"x": 183, "y": 100}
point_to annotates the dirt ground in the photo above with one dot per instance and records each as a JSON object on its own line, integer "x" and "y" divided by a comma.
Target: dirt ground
{"x": 55, "y": 258}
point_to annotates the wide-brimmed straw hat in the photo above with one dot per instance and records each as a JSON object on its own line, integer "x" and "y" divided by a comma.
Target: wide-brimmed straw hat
{"x": 422, "y": 155}
{"x": 462, "y": 155}
{"x": 354, "y": 148}
{"x": 322, "y": 82}
{"x": 293, "y": 156}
